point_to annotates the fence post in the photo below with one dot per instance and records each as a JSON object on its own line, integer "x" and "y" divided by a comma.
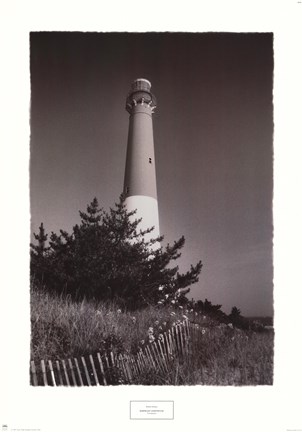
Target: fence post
{"x": 172, "y": 346}
{"x": 94, "y": 370}
{"x": 86, "y": 371}
{"x": 102, "y": 368}
{"x": 52, "y": 373}
{"x": 169, "y": 349}
{"x": 129, "y": 368}
{"x": 72, "y": 373}
{"x": 121, "y": 360}
{"x": 162, "y": 355}
{"x": 59, "y": 372}
{"x": 78, "y": 371}
{"x": 186, "y": 337}
{"x": 44, "y": 373}
{"x": 180, "y": 330}
{"x": 144, "y": 359}
{"x": 33, "y": 371}
{"x": 150, "y": 357}
{"x": 158, "y": 356}
{"x": 135, "y": 369}
{"x": 65, "y": 373}
{"x": 139, "y": 362}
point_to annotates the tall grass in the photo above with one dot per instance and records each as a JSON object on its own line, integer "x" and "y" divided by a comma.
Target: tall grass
{"x": 221, "y": 355}
{"x": 62, "y": 328}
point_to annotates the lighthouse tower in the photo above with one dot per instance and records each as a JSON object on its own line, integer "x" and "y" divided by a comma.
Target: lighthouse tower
{"x": 140, "y": 177}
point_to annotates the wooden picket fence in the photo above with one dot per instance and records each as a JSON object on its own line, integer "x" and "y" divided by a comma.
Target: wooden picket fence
{"x": 110, "y": 368}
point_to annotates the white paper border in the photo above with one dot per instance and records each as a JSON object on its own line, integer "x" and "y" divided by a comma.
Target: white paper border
{"x": 274, "y": 408}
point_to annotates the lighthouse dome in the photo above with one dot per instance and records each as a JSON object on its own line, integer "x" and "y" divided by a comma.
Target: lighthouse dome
{"x": 141, "y": 84}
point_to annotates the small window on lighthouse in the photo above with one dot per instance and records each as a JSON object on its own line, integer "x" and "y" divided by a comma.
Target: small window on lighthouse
{"x": 150, "y": 160}
{"x": 127, "y": 189}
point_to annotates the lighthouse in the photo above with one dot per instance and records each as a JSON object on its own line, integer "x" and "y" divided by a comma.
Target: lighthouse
{"x": 140, "y": 175}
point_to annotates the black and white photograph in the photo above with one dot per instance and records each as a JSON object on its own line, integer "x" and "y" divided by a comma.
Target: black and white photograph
{"x": 151, "y": 184}
{"x": 151, "y": 216}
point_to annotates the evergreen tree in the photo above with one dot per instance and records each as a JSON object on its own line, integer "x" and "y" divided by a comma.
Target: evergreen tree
{"x": 214, "y": 311}
{"x": 237, "y": 319}
{"x": 107, "y": 257}
{"x": 235, "y": 314}
{"x": 39, "y": 265}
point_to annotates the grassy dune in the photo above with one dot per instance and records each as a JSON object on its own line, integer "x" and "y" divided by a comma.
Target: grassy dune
{"x": 221, "y": 356}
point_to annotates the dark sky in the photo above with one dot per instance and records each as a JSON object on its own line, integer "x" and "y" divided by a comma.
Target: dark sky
{"x": 213, "y": 131}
